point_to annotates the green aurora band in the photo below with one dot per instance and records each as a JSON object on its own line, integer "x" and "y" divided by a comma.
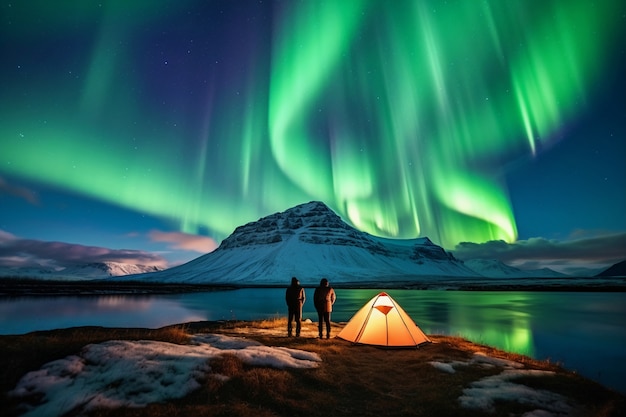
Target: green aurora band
{"x": 399, "y": 118}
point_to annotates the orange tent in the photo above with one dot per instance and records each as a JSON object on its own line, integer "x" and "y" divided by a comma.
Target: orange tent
{"x": 382, "y": 322}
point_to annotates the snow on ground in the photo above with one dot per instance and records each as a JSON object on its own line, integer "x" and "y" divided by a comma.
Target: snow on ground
{"x": 501, "y": 387}
{"x": 135, "y": 373}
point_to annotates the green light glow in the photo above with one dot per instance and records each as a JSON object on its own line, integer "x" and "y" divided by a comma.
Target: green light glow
{"x": 309, "y": 45}
{"x": 399, "y": 118}
{"x": 472, "y": 316}
{"x": 515, "y": 333}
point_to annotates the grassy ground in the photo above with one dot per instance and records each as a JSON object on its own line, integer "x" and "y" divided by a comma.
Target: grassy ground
{"x": 352, "y": 380}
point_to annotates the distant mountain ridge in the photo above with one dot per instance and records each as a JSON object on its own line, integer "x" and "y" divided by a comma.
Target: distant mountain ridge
{"x": 310, "y": 241}
{"x": 111, "y": 269}
{"x": 492, "y": 268}
{"x": 617, "y": 270}
{"x": 86, "y": 271}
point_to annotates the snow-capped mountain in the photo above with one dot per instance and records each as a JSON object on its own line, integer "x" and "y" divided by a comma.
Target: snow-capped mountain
{"x": 492, "y": 268}
{"x": 107, "y": 269}
{"x": 310, "y": 241}
{"x": 87, "y": 271}
{"x": 40, "y": 272}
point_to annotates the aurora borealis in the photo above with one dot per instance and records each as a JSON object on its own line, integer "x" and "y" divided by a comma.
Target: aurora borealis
{"x": 414, "y": 119}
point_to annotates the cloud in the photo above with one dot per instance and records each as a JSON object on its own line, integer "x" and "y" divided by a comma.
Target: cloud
{"x": 566, "y": 256}
{"x": 17, "y": 252}
{"x": 200, "y": 244}
{"x": 17, "y": 191}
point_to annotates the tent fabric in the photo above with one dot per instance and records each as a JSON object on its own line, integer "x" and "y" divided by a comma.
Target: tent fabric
{"x": 382, "y": 322}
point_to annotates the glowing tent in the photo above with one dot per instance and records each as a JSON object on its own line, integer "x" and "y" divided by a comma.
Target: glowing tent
{"x": 382, "y": 322}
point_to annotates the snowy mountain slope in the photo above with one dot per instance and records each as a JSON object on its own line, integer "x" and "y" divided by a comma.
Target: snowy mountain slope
{"x": 107, "y": 269}
{"x": 88, "y": 271}
{"x": 617, "y": 270}
{"x": 310, "y": 241}
{"x": 493, "y": 268}
{"x": 27, "y": 272}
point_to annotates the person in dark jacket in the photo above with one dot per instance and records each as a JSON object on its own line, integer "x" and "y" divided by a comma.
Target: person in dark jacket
{"x": 324, "y": 298}
{"x": 295, "y": 297}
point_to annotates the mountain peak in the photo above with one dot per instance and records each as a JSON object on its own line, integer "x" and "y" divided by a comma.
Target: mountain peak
{"x": 312, "y": 207}
{"x": 311, "y": 241}
{"x": 306, "y": 221}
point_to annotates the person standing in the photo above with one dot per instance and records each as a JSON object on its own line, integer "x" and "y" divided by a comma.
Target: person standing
{"x": 295, "y": 297}
{"x": 324, "y": 298}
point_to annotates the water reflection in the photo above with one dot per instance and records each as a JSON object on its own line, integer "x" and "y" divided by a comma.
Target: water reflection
{"x": 26, "y": 314}
{"x": 584, "y": 331}
{"x": 497, "y": 319}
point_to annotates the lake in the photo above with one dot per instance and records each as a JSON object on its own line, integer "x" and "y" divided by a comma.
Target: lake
{"x": 584, "y": 331}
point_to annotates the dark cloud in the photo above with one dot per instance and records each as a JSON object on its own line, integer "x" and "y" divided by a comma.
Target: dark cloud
{"x": 535, "y": 253}
{"x": 28, "y": 252}
{"x": 18, "y": 191}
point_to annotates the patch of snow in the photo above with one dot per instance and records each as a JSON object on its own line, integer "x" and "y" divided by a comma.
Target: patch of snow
{"x": 482, "y": 394}
{"x": 443, "y": 367}
{"x": 136, "y": 373}
{"x": 483, "y": 358}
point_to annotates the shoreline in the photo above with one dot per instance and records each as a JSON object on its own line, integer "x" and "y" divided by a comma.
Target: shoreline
{"x": 449, "y": 369}
{"x": 30, "y": 287}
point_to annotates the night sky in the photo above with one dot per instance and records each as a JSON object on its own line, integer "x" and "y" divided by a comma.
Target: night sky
{"x": 147, "y": 131}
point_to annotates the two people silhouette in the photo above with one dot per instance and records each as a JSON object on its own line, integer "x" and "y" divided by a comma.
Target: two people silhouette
{"x": 323, "y": 298}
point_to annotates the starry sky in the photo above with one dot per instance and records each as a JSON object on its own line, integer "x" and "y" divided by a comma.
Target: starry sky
{"x": 147, "y": 131}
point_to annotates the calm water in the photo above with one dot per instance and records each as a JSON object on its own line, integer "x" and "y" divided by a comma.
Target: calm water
{"x": 585, "y": 332}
